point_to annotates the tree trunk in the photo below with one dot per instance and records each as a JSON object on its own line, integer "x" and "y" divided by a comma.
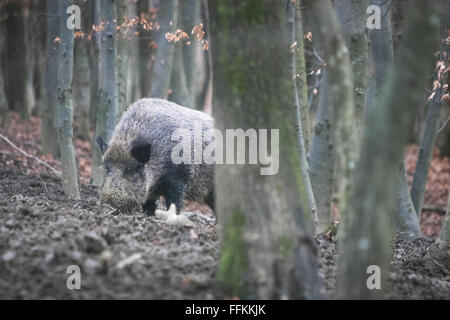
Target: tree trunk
{"x": 179, "y": 87}
{"x": 406, "y": 220}
{"x": 381, "y": 52}
{"x": 266, "y": 250}
{"x": 49, "y": 143}
{"x": 123, "y": 51}
{"x": 386, "y": 132}
{"x": 190, "y": 18}
{"x": 341, "y": 99}
{"x": 65, "y": 113}
{"x": 82, "y": 92}
{"x": 303, "y": 84}
{"x": 16, "y": 65}
{"x": 4, "y": 109}
{"x": 444, "y": 234}
{"x": 299, "y": 117}
{"x": 107, "y": 106}
{"x": 31, "y": 25}
{"x": 162, "y": 69}
{"x": 321, "y": 158}
{"x": 352, "y": 16}
{"x": 428, "y": 142}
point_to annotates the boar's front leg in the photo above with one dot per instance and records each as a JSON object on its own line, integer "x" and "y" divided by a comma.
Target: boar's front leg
{"x": 149, "y": 207}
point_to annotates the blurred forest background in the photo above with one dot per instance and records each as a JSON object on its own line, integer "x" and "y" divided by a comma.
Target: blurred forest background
{"x": 363, "y": 114}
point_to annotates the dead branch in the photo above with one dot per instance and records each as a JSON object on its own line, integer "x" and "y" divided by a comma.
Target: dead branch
{"x": 433, "y": 209}
{"x": 58, "y": 173}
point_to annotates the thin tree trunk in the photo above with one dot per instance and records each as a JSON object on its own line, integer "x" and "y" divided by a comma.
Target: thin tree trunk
{"x": 381, "y": 52}
{"x": 4, "y": 109}
{"x": 65, "y": 114}
{"x": 82, "y": 92}
{"x": 427, "y": 146}
{"x": 49, "y": 143}
{"x": 301, "y": 142}
{"x": 386, "y": 132}
{"x": 352, "y": 16}
{"x": 94, "y": 54}
{"x": 180, "y": 93}
{"x": 107, "y": 106}
{"x": 162, "y": 69}
{"x": 444, "y": 234}
{"x": 123, "y": 52}
{"x": 341, "y": 101}
{"x": 30, "y": 18}
{"x": 303, "y": 84}
{"x": 266, "y": 250}
{"x": 16, "y": 64}
{"x": 321, "y": 158}
{"x": 406, "y": 220}
{"x": 189, "y": 18}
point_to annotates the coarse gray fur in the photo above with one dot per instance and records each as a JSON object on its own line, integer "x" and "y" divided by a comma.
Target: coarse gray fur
{"x": 135, "y": 178}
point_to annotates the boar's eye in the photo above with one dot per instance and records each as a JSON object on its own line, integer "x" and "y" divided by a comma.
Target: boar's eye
{"x": 141, "y": 151}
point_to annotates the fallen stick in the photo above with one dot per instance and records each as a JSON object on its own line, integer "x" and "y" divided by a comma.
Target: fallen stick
{"x": 58, "y": 173}
{"x": 434, "y": 209}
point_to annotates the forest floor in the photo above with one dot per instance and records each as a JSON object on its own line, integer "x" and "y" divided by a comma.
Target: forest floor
{"x": 135, "y": 256}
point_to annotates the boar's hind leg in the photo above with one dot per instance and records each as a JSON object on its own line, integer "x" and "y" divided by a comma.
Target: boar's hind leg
{"x": 149, "y": 207}
{"x": 210, "y": 200}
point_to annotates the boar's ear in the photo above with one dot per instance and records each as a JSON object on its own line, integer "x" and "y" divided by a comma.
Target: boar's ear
{"x": 140, "y": 150}
{"x": 102, "y": 144}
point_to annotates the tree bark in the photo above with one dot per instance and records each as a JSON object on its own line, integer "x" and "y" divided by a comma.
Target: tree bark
{"x": 321, "y": 158}
{"x": 49, "y": 145}
{"x": 162, "y": 70}
{"x": 303, "y": 84}
{"x": 381, "y": 52}
{"x": 428, "y": 142}
{"x": 123, "y": 52}
{"x": 406, "y": 220}
{"x": 444, "y": 234}
{"x": 266, "y": 249}
{"x": 4, "y": 108}
{"x": 386, "y": 132}
{"x": 82, "y": 92}
{"x": 189, "y": 18}
{"x": 65, "y": 113}
{"x": 299, "y": 117}
{"x": 16, "y": 53}
{"x": 352, "y": 16}
{"x": 107, "y": 106}
{"x": 341, "y": 99}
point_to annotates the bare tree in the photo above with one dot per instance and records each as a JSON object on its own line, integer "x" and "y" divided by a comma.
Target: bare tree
{"x": 341, "y": 100}
{"x": 49, "y": 107}
{"x": 123, "y": 51}
{"x": 267, "y": 250}
{"x": 107, "y": 101}
{"x": 432, "y": 126}
{"x": 162, "y": 69}
{"x": 352, "y": 16}
{"x": 444, "y": 234}
{"x": 65, "y": 112}
{"x": 386, "y": 132}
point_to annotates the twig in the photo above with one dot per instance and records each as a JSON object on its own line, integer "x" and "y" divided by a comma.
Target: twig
{"x": 433, "y": 209}
{"x": 444, "y": 125}
{"x": 58, "y": 173}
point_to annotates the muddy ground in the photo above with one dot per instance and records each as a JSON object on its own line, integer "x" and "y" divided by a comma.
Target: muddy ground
{"x": 135, "y": 256}
{"x": 139, "y": 257}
